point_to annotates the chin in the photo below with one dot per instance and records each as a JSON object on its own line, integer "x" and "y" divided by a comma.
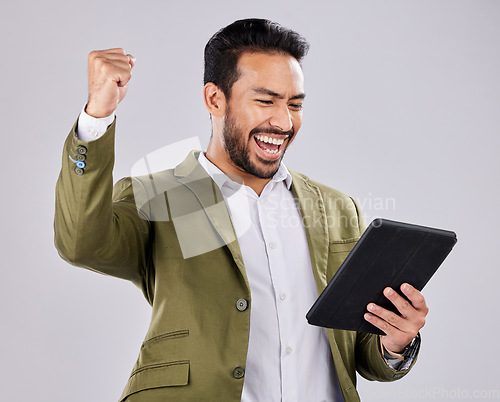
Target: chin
{"x": 265, "y": 169}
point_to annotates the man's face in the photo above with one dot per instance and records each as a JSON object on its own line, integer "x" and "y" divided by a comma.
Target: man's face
{"x": 264, "y": 112}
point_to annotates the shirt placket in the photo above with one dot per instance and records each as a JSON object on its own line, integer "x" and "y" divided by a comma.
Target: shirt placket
{"x": 275, "y": 250}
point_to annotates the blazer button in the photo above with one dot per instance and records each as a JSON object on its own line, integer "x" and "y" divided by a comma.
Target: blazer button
{"x": 80, "y": 157}
{"x": 239, "y": 372}
{"x": 81, "y": 150}
{"x": 78, "y": 171}
{"x": 241, "y": 304}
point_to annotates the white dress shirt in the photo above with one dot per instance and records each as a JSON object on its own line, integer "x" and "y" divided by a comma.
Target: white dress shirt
{"x": 288, "y": 360}
{"x": 91, "y": 128}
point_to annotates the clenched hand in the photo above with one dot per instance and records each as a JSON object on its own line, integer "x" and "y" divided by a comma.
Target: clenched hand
{"x": 109, "y": 72}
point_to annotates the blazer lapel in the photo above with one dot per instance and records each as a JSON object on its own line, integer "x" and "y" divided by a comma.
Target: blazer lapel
{"x": 193, "y": 176}
{"x": 312, "y": 209}
{"x": 309, "y": 199}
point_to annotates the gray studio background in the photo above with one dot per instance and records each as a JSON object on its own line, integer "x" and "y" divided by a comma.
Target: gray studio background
{"x": 408, "y": 90}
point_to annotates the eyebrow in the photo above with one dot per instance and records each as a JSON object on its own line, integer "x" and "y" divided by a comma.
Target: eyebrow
{"x": 265, "y": 91}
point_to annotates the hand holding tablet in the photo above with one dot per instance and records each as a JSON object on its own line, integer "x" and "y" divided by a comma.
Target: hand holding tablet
{"x": 388, "y": 255}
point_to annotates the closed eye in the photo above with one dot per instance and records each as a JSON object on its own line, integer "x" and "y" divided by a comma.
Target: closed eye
{"x": 265, "y": 102}
{"x": 296, "y": 106}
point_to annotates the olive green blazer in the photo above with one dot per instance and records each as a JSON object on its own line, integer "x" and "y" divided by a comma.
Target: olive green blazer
{"x": 170, "y": 234}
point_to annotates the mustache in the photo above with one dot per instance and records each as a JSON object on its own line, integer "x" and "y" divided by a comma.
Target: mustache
{"x": 288, "y": 133}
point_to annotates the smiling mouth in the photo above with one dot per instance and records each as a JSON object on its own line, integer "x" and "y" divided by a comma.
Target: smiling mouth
{"x": 268, "y": 144}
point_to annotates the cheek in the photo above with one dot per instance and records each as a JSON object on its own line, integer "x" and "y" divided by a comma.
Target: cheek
{"x": 256, "y": 118}
{"x": 297, "y": 121}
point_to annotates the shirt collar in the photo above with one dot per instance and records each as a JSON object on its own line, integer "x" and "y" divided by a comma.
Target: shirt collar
{"x": 220, "y": 178}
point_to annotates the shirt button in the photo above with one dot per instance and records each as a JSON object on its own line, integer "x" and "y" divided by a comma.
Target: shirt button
{"x": 239, "y": 372}
{"x": 289, "y": 350}
{"x": 81, "y": 150}
{"x": 282, "y": 296}
{"x": 94, "y": 132}
{"x": 241, "y": 304}
{"x": 272, "y": 245}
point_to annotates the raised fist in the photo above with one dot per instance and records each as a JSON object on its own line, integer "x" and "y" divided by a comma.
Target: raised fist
{"x": 109, "y": 73}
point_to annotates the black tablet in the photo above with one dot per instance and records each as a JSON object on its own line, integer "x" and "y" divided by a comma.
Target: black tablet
{"x": 388, "y": 253}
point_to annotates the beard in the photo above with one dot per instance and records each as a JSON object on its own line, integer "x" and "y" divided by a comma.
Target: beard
{"x": 236, "y": 146}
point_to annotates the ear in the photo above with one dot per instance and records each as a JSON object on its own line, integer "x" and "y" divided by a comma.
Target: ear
{"x": 215, "y": 100}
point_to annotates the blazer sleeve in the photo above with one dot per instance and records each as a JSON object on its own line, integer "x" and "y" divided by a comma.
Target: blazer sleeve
{"x": 370, "y": 363}
{"x": 95, "y": 226}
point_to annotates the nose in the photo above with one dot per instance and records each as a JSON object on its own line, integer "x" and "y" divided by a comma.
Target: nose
{"x": 281, "y": 119}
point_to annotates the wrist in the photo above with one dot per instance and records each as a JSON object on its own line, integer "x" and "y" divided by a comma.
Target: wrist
{"x": 90, "y": 128}
{"x": 390, "y": 347}
{"x": 97, "y": 112}
{"x": 409, "y": 351}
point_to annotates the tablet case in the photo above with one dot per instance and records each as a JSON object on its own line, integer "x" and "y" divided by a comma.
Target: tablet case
{"x": 389, "y": 253}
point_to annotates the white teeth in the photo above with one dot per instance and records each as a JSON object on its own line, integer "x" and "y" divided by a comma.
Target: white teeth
{"x": 266, "y": 139}
{"x": 275, "y": 151}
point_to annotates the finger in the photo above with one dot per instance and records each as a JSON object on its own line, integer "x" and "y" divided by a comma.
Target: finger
{"x": 382, "y": 324}
{"x": 122, "y": 63}
{"x": 416, "y": 298}
{"x": 117, "y": 50}
{"x": 115, "y": 71}
{"x": 108, "y": 62}
{"x": 122, "y": 77}
{"x": 112, "y": 57}
{"x": 131, "y": 60}
{"x": 391, "y": 318}
{"x": 404, "y": 306}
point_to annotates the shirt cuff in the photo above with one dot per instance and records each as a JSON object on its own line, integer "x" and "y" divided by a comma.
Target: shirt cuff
{"x": 395, "y": 361}
{"x": 91, "y": 128}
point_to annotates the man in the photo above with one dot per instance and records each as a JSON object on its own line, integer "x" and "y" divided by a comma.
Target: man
{"x": 230, "y": 248}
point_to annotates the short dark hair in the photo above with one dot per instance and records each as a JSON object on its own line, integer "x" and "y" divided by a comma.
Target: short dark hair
{"x": 225, "y": 47}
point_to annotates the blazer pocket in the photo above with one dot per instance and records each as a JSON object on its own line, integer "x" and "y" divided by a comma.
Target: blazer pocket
{"x": 163, "y": 362}
{"x": 340, "y": 246}
{"x": 169, "y": 374}
{"x": 337, "y": 253}
{"x": 165, "y": 347}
